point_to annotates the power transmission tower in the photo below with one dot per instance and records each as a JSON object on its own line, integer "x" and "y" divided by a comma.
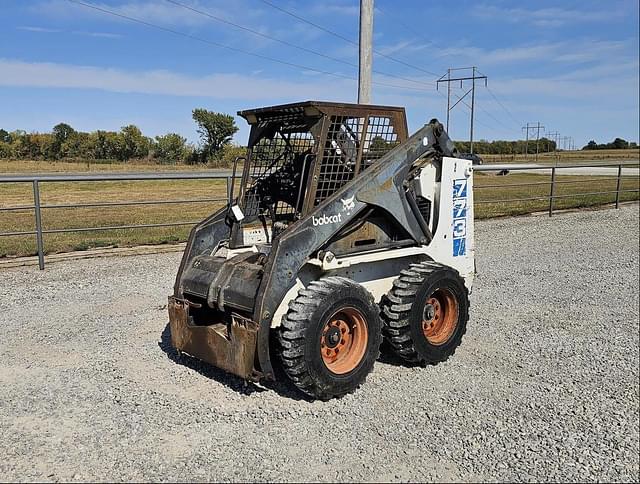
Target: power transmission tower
{"x": 553, "y": 136}
{"x": 365, "y": 58}
{"x": 566, "y": 141}
{"x": 448, "y": 79}
{"x": 537, "y": 127}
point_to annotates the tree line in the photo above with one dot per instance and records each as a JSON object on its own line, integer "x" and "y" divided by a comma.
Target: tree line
{"x": 65, "y": 143}
{"x": 504, "y": 147}
{"x": 215, "y": 131}
{"x": 545, "y": 145}
{"x": 616, "y": 144}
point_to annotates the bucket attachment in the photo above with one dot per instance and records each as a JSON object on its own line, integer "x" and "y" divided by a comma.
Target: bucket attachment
{"x": 230, "y": 347}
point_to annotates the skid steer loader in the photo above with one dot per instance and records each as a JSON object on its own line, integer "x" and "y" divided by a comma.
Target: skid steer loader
{"x": 344, "y": 230}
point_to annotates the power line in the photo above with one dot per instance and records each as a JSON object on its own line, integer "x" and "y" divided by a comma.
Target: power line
{"x": 497, "y": 120}
{"x": 409, "y": 28}
{"x": 412, "y": 30}
{"x": 319, "y": 27}
{"x": 260, "y": 34}
{"x": 503, "y": 106}
{"x": 461, "y": 100}
{"x": 342, "y": 37}
{"x": 285, "y": 42}
{"x": 235, "y": 49}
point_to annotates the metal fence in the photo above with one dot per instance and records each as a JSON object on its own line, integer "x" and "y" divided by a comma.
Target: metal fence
{"x": 37, "y": 180}
{"x": 588, "y": 172}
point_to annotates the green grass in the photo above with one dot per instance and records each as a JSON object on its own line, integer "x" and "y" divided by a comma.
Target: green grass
{"x": 570, "y": 190}
{"x": 17, "y": 194}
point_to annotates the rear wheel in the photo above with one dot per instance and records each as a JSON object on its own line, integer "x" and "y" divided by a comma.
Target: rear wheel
{"x": 330, "y": 337}
{"x": 425, "y": 313}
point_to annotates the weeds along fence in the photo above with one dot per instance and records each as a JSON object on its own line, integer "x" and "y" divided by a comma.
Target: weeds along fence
{"x": 525, "y": 188}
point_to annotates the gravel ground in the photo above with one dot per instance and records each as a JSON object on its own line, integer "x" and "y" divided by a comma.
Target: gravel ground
{"x": 544, "y": 387}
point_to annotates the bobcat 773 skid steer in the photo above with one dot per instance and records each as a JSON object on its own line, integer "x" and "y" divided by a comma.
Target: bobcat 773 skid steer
{"x": 344, "y": 231}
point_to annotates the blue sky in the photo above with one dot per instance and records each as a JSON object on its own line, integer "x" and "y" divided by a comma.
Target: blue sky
{"x": 572, "y": 65}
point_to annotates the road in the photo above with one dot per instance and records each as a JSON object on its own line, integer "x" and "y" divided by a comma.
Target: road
{"x": 222, "y": 173}
{"x": 543, "y": 388}
{"x": 541, "y": 169}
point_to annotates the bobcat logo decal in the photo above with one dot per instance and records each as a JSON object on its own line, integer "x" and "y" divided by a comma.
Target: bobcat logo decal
{"x": 348, "y": 204}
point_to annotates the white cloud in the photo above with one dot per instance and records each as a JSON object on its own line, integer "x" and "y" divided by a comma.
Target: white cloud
{"x": 105, "y": 35}
{"x": 547, "y": 17}
{"x": 156, "y": 12}
{"x": 589, "y": 86}
{"x": 39, "y": 29}
{"x": 573, "y": 51}
{"x": 153, "y": 11}
{"x": 337, "y": 8}
{"x": 221, "y": 86}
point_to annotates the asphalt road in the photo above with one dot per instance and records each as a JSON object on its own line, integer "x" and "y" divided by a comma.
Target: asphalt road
{"x": 515, "y": 167}
{"x": 544, "y": 170}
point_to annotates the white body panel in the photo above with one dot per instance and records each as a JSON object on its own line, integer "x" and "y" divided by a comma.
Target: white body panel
{"x": 451, "y": 223}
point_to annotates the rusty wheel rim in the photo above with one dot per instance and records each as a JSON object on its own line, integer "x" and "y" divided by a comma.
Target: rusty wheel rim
{"x": 440, "y": 317}
{"x": 343, "y": 342}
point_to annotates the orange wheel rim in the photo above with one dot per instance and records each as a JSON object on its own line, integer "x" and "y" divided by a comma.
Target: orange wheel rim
{"x": 343, "y": 342}
{"x": 440, "y": 317}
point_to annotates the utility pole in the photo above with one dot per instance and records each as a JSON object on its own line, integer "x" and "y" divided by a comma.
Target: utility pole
{"x": 365, "y": 59}
{"x": 448, "y": 79}
{"x": 526, "y": 142}
{"x": 473, "y": 101}
{"x": 448, "y": 96}
{"x": 537, "y": 127}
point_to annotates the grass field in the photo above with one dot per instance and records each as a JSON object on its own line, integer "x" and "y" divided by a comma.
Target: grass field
{"x": 488, "y": 187}
{"x": 568, "y": 157}
{"x": 569, "y": 188}
{"x": 27, "y": 166}
{"x": 22, "y": 166}
{"x": 89, "y": 192}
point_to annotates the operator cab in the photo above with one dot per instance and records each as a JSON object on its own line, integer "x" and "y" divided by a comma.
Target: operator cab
{"x": 299, "y": 155}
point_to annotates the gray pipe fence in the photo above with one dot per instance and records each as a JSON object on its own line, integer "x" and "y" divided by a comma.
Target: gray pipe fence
{"x": 38, "y": 179}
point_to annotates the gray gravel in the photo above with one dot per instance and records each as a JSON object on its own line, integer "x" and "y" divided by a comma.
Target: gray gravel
{"x": 544, "y": 387}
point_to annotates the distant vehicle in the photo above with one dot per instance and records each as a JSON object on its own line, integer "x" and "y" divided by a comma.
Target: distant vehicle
{"x": 475, "y": 159}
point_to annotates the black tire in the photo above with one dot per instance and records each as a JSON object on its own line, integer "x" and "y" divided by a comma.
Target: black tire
{"x": 406, "y": 323}
{"x": 302, "y": 337}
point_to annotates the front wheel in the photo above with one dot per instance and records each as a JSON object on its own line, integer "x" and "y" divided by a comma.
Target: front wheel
{"x": 330, "y": 337}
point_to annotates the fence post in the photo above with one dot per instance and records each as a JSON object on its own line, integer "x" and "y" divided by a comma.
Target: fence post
{"x": 553, "y": 189}
{"x": 40, "y": 244}
{"x": 618, "y": 186}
